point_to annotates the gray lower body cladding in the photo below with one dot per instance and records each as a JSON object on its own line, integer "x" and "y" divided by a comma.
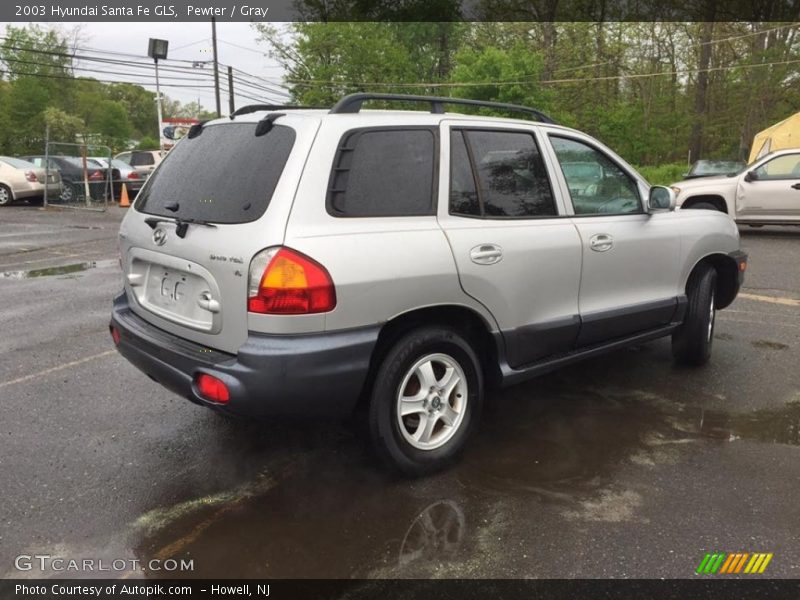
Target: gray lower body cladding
{"x": 313, "y": 375}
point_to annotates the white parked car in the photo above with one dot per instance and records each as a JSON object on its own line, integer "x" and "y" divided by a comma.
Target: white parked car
{"x": 766, "y": 192}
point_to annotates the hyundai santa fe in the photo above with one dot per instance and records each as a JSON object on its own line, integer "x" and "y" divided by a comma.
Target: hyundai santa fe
{"x": 289, "y": 261}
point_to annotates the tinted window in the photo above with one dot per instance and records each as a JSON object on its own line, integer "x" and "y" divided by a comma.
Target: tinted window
{"x": 224, "y": 175}
{"x": 780, "y": 167}
{"x": 463, "y": 193}
{"x": 142, "y": 159}
{"x": 384, "y": 172}
{"x": 596, "y": 184}
{"x": 512, "y": 178}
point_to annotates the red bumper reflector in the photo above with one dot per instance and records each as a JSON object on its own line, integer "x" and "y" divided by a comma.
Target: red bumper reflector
{"x": 212, "y": 388}
{"x": 115, "y": 335}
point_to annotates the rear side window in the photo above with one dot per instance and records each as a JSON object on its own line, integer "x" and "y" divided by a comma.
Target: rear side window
{"x": 224, "y": 175}
{"x": 142, "y": 159}
{"x": 510, "y": 178}
{"x": 384, "y": 173}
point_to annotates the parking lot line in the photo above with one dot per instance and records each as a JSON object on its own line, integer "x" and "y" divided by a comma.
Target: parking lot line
{"x": 38, "y": 374}
{"x": 773, "y": 299}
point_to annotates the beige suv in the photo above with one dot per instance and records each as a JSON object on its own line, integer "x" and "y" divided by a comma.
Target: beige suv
{"x": 143, "y": 161}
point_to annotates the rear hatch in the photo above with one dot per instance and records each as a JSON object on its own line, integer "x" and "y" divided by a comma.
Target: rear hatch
{"x": 217, "y": 199}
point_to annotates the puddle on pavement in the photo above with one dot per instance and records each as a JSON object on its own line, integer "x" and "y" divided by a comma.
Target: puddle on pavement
{"x": 336, "y": 514}
{"x": 59, "y": 270}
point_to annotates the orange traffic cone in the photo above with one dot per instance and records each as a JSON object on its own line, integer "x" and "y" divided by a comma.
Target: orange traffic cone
{"x": 124, "y": 202}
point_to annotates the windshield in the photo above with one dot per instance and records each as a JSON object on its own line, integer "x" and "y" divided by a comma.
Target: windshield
{"x": 715, "y": 167}
{"x": 226, "y": 174}
{"x": 17, "y": 163}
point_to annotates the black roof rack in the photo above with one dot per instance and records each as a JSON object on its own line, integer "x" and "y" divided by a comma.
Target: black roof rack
{"x": 251, "y": 108}
{"x": 352, "y": 104}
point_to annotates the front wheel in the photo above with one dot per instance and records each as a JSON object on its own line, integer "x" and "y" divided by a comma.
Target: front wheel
{"x": 426, "y": 399}
{"x": 692, "y": 341}
{"x": 705, "y": 206}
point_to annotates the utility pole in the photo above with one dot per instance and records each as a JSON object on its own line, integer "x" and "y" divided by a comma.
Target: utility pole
{"x": 216, "y": 63}
{"x": 160, "y": 114}
{"x": 158, "y": 49}
{"x": 231, "y": 107}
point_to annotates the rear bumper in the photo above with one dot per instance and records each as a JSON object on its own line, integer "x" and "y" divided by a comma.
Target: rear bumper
{"x": 312, "y": 375}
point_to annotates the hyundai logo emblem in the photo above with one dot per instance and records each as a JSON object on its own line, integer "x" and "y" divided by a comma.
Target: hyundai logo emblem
{"x": 159, "y": 236}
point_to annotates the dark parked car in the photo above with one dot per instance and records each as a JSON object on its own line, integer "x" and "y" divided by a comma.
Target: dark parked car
{"x": 71, "y": 169}
{"x": 123, "y": 173}
{"x": 714, "y": 168}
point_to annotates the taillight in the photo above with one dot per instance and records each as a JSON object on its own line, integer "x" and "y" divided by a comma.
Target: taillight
{"x": 115, "y": 335}
{"x": 96, "y": 176}
{"x": 284, "y": 282}
{"x": 212, "y": 388}
{"x": 133, "y": 175}
{"x": 30, "y": 176}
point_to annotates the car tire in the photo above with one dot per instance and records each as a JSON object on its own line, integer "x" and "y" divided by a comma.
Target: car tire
{"x": 706, "y": 206}
{"x": 692, "y": 341}
{"x": 426, "y": 400}
{"x": 67, "y": 193}
{"x": 6, "y": 197}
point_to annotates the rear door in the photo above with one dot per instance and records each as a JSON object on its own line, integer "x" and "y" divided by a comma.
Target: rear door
{"x": 515, "y": 251}
{"x": 631, "y": 259}
{"x": 192, "y": 280}
{"x": 774, "y": 194}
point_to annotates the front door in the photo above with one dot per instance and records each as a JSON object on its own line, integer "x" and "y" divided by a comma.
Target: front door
{"x": 515, "y": 250}
{"x": 631, "y": 259}
{"x": 774, "y": 193}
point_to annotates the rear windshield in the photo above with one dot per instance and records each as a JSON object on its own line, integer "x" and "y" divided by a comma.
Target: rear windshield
{"x": 226, "y": 174}
{"x": 17, "y": 163}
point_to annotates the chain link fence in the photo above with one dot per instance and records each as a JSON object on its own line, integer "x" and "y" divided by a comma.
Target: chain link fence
{"x": 88, "y": 179}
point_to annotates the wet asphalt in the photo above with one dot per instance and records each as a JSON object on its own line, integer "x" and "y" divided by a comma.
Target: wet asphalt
{"x": 622, "y": 466}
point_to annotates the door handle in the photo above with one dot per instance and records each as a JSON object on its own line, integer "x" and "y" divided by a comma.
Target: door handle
{"x": 796, "y": 186}
{"x": 206, "y": 301}
{"x": 486, "y": 254}
{"x": 601, "y": 242}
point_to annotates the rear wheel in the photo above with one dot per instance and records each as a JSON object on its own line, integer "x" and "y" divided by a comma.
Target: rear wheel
{"x": 425, "y": 401}
{"x": 692, "y": 341}
{"x": 67, "y": 192}
{"x": 5, "y": 195}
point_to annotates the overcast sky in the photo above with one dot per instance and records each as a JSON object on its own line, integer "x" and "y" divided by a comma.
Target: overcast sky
{"x": 187, "y": 41}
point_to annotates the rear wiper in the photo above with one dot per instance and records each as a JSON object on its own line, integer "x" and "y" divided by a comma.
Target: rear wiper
{"x": 181, "y": 224}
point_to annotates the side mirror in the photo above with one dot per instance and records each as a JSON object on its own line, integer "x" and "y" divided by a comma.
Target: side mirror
{"x": 750, "y": 176}
{"x": 661, "y": 199}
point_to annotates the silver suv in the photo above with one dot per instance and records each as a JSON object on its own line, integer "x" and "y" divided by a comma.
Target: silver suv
{"x": 313, "y": 262}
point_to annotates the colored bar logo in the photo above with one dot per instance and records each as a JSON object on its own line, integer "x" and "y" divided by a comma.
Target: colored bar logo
{"x": 725, "y": 563}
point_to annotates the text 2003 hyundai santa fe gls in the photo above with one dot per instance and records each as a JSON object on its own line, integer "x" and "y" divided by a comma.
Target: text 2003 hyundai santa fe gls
{"x": 303, "y": 262}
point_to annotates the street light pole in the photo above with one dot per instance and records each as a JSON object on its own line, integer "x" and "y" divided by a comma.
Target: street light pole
{"x": 158, "y": 49}
{"x": 160, "y": 119}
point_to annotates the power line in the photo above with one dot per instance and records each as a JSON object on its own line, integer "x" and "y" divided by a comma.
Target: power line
{"x": 41, "y": 75}
{"x": 313, "y": 82}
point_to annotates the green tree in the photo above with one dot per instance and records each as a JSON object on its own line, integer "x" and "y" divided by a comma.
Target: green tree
{"x": 62, "y": 126}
